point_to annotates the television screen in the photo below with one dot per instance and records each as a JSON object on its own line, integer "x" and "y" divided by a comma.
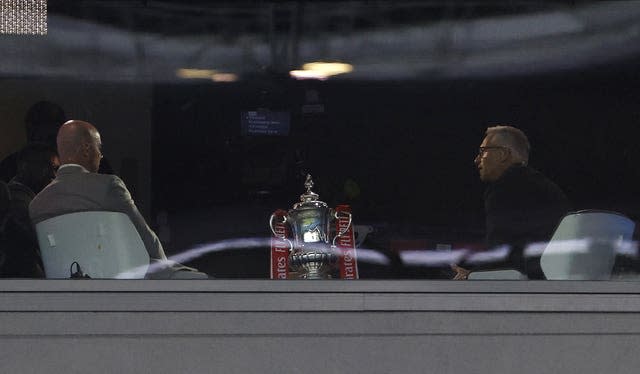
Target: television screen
{"x": 265, "y": 122}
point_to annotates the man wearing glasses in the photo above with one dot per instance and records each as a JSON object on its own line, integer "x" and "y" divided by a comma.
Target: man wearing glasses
{"x": 522, "y": 206}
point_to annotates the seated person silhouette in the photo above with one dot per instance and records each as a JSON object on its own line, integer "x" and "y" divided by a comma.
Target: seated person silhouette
{"x": 42, "y": 121}
{"x": 522, "y": 206}
{"x": 37, "y": 164}
{"x": 78, "y": 188}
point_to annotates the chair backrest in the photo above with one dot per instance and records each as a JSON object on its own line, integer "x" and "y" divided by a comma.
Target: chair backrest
{"x": 584, "y": 245}
{"x": 104, "y": 244}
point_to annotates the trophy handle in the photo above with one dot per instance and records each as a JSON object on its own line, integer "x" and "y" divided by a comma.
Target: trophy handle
{"x": 282, "y": 237}
{"x": 271, "y": 219}
{"x": 344, "y": 231}
{"x": 290, "y": 245}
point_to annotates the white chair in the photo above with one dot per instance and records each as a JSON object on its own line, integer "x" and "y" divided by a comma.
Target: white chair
{"x": 104, "y": 244}
{"x": 584, "y": 245}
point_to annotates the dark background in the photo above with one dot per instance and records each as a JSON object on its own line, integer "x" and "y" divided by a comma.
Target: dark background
{"x": 409, "y": 146}
{"x": 395, "y": 139}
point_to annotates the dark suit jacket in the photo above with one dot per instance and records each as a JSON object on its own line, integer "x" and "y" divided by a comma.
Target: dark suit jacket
{"x": 522, "y": 207}
{"x": 77, "y": 190}
{"x": 20, "y": 244}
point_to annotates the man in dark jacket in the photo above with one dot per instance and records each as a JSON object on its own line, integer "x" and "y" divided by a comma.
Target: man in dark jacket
{"x": 36, "y": 167}
{"x": 41, "y": 124}
{"x": 521, "y": 205}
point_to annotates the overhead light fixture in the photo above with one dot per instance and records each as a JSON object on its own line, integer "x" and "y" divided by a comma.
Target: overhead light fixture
{"x": 321, "y": 70}
{"x": 211, "y": 74}
{"x": 224, "y": 77}
{"x": 195, "y": 73}
{"x": 328, "y": 68}
{"x": 307, "y": 74}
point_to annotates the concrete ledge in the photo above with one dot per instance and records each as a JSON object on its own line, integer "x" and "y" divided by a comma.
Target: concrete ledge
{"x": 337, "y": 286}
{"x": 348, "y": 296}
{"x": 330, "y": 326}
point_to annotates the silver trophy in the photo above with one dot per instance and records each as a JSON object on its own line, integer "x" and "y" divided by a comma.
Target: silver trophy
{"x": 312, "y": 252}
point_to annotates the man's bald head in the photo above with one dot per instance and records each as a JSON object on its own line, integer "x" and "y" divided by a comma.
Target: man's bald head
{"x": 79, "y": 143}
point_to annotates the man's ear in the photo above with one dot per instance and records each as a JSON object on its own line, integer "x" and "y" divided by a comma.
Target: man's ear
{"x": 505, "y": 155}
{"x": 85, "y": 149}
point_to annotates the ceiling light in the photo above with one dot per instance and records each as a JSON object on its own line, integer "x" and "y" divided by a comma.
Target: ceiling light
{"x": 195, "y": 73}
{"x": 329, "y": 68}
{"x": 224, "y": 77}
{"x": 307, "y": 74}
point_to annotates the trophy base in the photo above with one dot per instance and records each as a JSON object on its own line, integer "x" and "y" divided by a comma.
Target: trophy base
{"x": 313, "y": 265}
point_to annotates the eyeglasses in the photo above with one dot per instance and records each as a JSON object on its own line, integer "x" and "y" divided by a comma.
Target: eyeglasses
{"x": 482, "y": 150}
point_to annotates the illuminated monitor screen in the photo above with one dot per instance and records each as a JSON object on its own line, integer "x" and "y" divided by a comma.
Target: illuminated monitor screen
{"x": 265, "y": 123}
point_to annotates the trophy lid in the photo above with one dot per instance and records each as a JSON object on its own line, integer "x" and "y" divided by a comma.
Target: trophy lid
{"x": 309, "y": 198}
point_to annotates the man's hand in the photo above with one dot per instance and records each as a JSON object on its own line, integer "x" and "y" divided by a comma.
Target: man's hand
{"x": 461, "y": 273}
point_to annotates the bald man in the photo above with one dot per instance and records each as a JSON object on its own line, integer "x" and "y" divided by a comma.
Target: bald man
{"x": 77, "y": 186}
